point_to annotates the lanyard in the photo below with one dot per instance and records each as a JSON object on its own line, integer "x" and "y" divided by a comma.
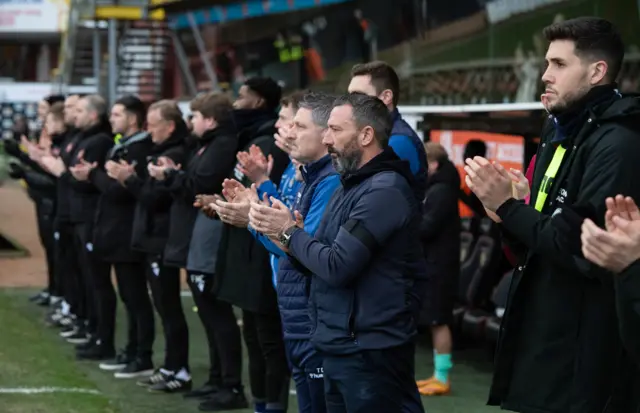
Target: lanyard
{"x": 549, "y": 176}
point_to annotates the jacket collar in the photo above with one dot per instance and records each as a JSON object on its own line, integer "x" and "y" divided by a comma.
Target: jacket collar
{"x": 311, "y": 171}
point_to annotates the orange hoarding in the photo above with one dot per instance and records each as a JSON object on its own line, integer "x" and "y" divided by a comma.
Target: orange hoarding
{"x": 506, "y": 149}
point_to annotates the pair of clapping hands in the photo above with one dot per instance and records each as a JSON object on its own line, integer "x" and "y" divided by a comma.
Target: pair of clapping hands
{"x": 241, "y": 207}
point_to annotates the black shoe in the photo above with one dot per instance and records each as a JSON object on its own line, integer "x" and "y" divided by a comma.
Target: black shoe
{"x": 97, "y": 352}
{"x": 207, "y": 390}
{"x": 85, "y": 346}
{"x": 155, "y": 378}
{"x": 79, "y": 337}
{"x": 118, "y": 363}
{"x": 39, "y": 296}
{"x": 171, "y": 384}
{"x": 225, "y": 399}
{"x": 43, "y": 301}
{"x": 136, "y": 368}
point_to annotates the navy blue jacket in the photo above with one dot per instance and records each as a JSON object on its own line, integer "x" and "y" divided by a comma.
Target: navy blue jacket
{"x": 409, "y": 147}
{"x": 320, "y": 181}
{"x": 366, "y": 260}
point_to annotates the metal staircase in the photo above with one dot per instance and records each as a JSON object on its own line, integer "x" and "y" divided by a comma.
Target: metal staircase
{"x": 142, "y": 52}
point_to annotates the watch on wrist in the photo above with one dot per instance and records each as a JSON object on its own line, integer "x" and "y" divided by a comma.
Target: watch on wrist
{"x": 285, "y": 236}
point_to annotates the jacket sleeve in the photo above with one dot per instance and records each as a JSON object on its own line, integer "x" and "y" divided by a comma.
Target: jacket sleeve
{"x": 440, "y": 205}
{"x": 323, "y": 193}
{"x": 150, "y": 193}
{"x": 610, "y": 170}
{"x": 40, "y": 181}
{"x": 96, "y": 152}
{"x": 403, "y": 146}
{"x": 268, "y": 244}
{"x": 270, "y": 189}
{"x": 627, "y": 286}
{"x": 207, "y": 176}
{"x": 108, "y": 186}
{"x": 369, "y": 226}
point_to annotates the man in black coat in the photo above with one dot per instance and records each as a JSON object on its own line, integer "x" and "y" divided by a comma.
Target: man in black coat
{"x": 559, "y": 343}
{"x": 440, "y": 235}
{"x": 243, "y": 272}
{"x": 90, "y": 145}
{"x": 111, "y": 238}
{"x": 150, "y": 235}
{"x": 194, "y": 240}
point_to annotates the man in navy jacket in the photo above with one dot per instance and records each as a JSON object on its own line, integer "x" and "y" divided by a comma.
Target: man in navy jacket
{"x": 380, "y": 80}
{"x": 320, "y": 181}
{"x": 366, "y": 261}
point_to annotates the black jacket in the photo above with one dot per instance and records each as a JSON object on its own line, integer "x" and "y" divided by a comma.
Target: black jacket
{"x": 63, "y": 188}
{"x": 114, "y": 214}
{"x": 627, "y": 286}
{"x": 440, "y": 232}
{"x": 243, "y": 272}
{"x": 150, "y": 228}
{"x": 559, "y": 339}
{"x": 92, "y": 145}
{"x": 211, "y": 161}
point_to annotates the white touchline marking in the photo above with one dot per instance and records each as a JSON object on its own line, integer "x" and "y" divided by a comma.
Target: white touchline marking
{"x": 292, "y": 392}
{"x": 42, "y": 390}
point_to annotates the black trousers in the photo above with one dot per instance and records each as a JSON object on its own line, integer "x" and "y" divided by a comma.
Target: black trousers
{"x": 88, "y": 309}
{"x": 132, "y": 287}
{"x": 66, "y": 267}
{"x": 165, "y": 289}
{"x": 46, "y": 233}
{"x": 221, "y": 328}
{"x": 372, "y": 381}
{"x": 269, "y": 373}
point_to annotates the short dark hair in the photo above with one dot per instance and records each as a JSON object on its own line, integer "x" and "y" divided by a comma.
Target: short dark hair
{"x": 267, "y": 89}
{"x": 369, "y": 111}
{"x": 594, "y": 38}
{"x": 214, "y": 105}
{"x": 382, "y": 77}
{"x": 293, "y": 99}
{"x": 320, "y": 105}
{"x": 475, "y": 147}
{"x": 134, "y": 106}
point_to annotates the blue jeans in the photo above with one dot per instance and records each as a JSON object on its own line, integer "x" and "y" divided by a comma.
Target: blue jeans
{"x": 306, "y": 368}
{"x": 372, "y": 381}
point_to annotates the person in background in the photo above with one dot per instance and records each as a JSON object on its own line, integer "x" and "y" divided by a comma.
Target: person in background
{"x": 243, "y": 272}
{"x": 111, "y": 246}
{"x": 380, "y": 80}
{"x": 91, "y": 145}
{"x": 469, "y": 202}
{"x": 440, "y": 235}
{"x": 42, "y": 137}
{"x": 150, "y": 234}
{"x": 194, "y": 240}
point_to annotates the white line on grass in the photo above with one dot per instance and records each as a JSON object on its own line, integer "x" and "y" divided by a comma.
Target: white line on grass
{"x": 41, "y": 390}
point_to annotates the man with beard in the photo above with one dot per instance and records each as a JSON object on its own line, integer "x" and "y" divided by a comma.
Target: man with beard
{"x": 150, "y": 234}
{"x": 111, "y": 238}
{"x": 243, "y": 273}
{"x": 559, "y": 346}
{"x": 90, "y": 145}
{"x": 364, "y": 260}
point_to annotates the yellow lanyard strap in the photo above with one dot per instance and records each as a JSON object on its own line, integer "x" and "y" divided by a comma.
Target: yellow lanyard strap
{"x": 549, "y": 176}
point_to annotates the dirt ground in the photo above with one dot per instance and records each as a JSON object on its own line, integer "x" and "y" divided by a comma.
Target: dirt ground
{"x": 18, "y": 223}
